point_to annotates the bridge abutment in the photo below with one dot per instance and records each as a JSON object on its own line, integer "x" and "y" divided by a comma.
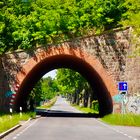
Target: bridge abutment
{"x": 5, "y": 91}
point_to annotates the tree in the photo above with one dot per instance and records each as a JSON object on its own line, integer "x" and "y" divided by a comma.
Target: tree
{"x": 35, "y": 97}
{"x": 45, "y": 89}
{"x": 26, "y": 24}
{"x": 49, "y": 88}
{"x": 131, "y": 18}
{"x": 74, "y": 86}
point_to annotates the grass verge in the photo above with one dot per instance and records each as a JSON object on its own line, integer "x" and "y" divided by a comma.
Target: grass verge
{"x": 115, "y": 119}
{"x": 122, "y": 119}
{"x": 7, "y": 121}
{"x": 85, "y": 109}
{"x": 48, "y": 104}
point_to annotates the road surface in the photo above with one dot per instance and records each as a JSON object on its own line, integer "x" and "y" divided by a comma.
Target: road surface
{"x": 71, "y": 128}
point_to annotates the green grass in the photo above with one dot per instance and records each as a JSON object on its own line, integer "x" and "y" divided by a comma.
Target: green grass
{"x": 48, "y": 104}
{"x": 122, "y": 119}
{"x": 115, "y": 119}
{"x": 85, "y": 109}
{"x": 7, "y": 122}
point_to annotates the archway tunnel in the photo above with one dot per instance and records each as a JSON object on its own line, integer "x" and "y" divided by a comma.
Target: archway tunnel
{"x": 71, "y": 62}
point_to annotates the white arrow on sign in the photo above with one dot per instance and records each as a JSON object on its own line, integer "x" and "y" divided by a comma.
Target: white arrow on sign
{"x": 124, "y": 85}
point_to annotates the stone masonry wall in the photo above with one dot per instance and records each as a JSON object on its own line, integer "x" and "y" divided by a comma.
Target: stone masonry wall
{"x": 132, "y": 74}
{"x": 109, "y": 48}
{"x": 4, "y": 89}
{"x": 131, "y": 101}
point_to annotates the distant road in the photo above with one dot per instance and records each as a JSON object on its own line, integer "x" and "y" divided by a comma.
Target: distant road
{"x": 71, "y": 128}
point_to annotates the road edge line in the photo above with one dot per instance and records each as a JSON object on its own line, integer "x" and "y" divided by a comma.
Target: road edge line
{"x": 5, "y": 133}
{"x": 9, "y": 131}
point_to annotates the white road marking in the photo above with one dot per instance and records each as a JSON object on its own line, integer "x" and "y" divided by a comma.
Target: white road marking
{"x": 130, "y": 137}
{"x": 18, "y": 135}
{"x": 125, "y": 134}
{"x": 24, "y": 129}
{"x": 118, "y": 131}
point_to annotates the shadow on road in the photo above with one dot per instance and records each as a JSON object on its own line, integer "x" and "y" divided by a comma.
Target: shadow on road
{"x": 59, "y": 113}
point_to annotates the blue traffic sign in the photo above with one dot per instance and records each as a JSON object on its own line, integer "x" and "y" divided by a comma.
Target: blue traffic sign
{"x": 123, "y": 86}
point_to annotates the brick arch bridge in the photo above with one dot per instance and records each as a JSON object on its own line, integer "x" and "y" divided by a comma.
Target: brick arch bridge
{"x": 102, "y": 60}
{"x": 73, "y": 58}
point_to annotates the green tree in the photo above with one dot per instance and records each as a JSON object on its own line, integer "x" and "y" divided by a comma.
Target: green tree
{"x": 25, "y": 24}
{"x": 70, "y": 79}
{"x": 45, "y": 89}
{"x": 35, "y": 97}
{"x": 131, "y": 18}
{"x": 49, "y": 88}
{"x": 72, "y": 84}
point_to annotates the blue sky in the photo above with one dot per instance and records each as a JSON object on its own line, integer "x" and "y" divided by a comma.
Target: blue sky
{"x": 51, "y": 74}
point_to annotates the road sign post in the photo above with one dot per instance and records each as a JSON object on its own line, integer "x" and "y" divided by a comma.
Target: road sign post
{"x": 11, "y": 111}
{"x": 123, "y": 87}
{"x": 20, "y": 111}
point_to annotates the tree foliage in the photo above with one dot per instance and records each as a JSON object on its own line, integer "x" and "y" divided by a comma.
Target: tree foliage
{"x": 69, "y": 81}
{"x": 35, "y": 97}
{"x": 26, "y": 24}
{"x": 49, "y": 88}
{"x": 131, "y": 18}
{"x": 45, "y": 89}
{"x": 75, "y": 87}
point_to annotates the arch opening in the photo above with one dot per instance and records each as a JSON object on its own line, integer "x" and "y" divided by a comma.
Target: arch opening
{"x": 71, "y": 62}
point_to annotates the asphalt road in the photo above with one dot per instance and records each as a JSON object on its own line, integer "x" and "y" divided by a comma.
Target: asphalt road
{"x": 71, "y": 128}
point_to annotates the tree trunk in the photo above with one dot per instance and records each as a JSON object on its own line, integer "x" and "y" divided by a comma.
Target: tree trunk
{"x": 70, "y": 97}
{"x": 74, "y": 98}
{"x": 86, "y": 98}
{"x": 90, "y": 98}
{"x": 77, "y": 97}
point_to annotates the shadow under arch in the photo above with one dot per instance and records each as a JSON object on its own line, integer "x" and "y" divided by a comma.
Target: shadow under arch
{"x": 81, "y": 65}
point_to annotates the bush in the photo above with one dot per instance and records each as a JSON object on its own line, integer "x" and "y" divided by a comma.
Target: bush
{"x": 95, "y": 105}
